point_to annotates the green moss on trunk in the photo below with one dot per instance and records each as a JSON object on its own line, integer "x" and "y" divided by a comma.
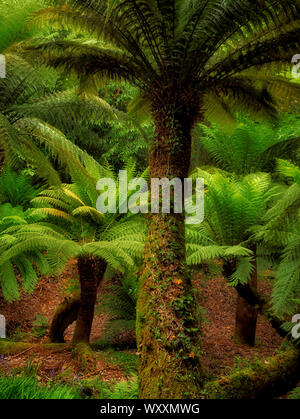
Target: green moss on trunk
{"x": 167, "y": 322}
{"x": 85, "y": 356}
{"x": 270, "y": 378}
{"x": 11, "y": 348}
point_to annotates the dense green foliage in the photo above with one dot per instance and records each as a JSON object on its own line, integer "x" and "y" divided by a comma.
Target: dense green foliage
{"x": 252, "y": 146}
{"x": 233, "y": 208}
{"x": 95, "y": 87}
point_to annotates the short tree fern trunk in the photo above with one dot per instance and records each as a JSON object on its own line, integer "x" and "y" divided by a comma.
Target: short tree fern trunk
{"x": 65, "y": 314}
{"x": 91, "y": 272}
{"x": 246, "y": 316}
{"x": 167, "y": 322}
{"x": 245, "y": 322}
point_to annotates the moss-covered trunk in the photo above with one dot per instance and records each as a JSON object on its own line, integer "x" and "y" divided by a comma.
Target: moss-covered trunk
{"x": 167, "y": 323}
{"x": 91, "y": 272}
{"x": 246, "y": 315}
{"x": 269, "y": 378}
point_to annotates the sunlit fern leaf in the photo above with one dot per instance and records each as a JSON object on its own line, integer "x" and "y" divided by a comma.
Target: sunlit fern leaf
{"x": 85, "y": 211}
{"x": 53, "y": 212}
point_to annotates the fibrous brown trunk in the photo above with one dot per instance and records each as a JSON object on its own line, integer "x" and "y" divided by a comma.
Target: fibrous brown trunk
{"x": 167, "y": 323}
{"x": 263, "y": 306}
{"x": 245, "y": 322}
{"x": 91, "y": 272}
{"x": 246, "y": 315}
{"x": 65, "y": 314}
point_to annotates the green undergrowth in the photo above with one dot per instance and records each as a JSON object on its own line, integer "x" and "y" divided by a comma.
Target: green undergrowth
{"x": 25, "y": 386}
{"x": 295, "y": 394}
{"x": 126, "y": 389}
{"x": 119, "y": 334}
{"x": 28, "y": 387}
{"x": 25, "y": 382}
{"x": 126, "y": 361}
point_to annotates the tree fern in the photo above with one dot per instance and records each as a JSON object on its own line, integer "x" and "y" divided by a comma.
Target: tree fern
{"x": 233, "y": 207}
{"x": 282, "y": 229}
{"x": 117, "y": 240}
{"x": 38, "y": 125}
{"x": 252, "y": 146}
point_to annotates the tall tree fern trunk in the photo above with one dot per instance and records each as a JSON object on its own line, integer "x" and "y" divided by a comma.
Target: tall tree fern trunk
{"x": 246, "y": 315}
{"x": 167, "y": 322}
{"x": 91, "y": 272}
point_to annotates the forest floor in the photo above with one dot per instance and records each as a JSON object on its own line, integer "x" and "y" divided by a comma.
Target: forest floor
{"x": 220, "y": 353}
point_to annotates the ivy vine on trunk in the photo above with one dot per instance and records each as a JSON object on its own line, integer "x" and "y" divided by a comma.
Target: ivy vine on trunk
{"x": 168, "y": 326}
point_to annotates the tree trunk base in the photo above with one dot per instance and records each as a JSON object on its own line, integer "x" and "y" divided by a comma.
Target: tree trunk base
{"x": 85, "y": 356}
{"x": 65, "y": 314}
{"x": 245, "y": 323}
{"x": 168, "y": 324}
{"x": 91, "y": 272}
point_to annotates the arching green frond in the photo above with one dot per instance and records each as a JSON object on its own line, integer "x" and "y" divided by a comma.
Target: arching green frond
{"x": 289, "y": 170}
{"x": 77, "y": 161}
{"x": 96, "y": 216}
{"x": 287, "y": 280}
{"x": 16, "y": 188}
{"x": 213, "y": 48}
{"x": 110, "y": 252}
{"x": 53, "y": 212}
{"x": 54, "y": 108}
{"x": 124, "y": 229}
{"x": 101, "y": 63}
{"x": 40, "y": 262}
{"x": 243, "y": 270}
{"x": 8, "y": 281}
{"x": 28, "y": 274}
